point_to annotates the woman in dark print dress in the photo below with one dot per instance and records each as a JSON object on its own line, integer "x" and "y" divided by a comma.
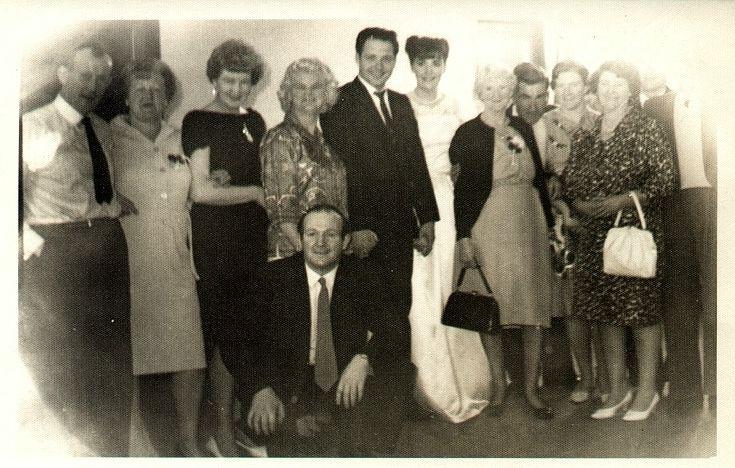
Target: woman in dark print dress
{"x": 229, "y": 222}
{"x": 625, "y": 151}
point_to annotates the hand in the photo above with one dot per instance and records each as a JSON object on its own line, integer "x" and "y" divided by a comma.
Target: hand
{"x": 363, "y": 242}
{"x": 266, "y": 412}
{"x": 352, "y": 382}
{"x": 425, "y": 241}
{"x": 601, "y": 207}
{"x": 220, "y": 177}
{"x": 553, "y": 186}
{"x": 32, "y": 242}
{"x": 127, "y": 207}
{"x": 467, "y": 253}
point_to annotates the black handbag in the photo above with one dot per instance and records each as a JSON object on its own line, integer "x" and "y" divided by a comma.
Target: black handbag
{"x": 473, "y": 310}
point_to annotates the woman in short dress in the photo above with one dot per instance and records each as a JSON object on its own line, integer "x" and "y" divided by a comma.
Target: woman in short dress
{"x": 452, "y": 371}
{"x": 152, "y": 171}
{"x": 299, "y": 169}
{"x": 625, "y": 151}
{"x": 229, "y": 222}
{"x": 503, "y": 214}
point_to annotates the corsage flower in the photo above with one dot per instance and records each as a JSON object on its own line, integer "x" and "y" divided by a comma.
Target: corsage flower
{"x": 515, "y": 143}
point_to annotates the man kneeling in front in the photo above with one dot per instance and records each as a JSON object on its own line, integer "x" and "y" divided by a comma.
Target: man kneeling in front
{"x": 328, "y": 357}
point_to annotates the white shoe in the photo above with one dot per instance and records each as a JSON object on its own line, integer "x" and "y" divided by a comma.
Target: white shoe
{"x": 244, "y": 442}
{"x": 631, "y": 415}
{"x": 212, "y": 447}
{"x": 607, "y": 413}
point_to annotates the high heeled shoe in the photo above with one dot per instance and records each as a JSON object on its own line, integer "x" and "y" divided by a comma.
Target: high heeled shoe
{"x": 607, "y": 413}
{"x": 632, "y": 415}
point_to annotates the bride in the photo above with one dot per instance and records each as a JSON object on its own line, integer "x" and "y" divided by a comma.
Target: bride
{"x": 452, "y": 370}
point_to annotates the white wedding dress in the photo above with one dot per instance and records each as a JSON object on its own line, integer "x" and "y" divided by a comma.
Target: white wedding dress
{"x": 452, "y": 370}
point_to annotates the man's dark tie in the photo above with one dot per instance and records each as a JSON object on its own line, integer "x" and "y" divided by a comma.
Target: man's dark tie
{"x": 384, "y": 110}
{"x": 102, "y": 182}
{"x": 325, "y": 361}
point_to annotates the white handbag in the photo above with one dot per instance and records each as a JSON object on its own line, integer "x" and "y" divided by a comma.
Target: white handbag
{"x": 629, "y": 251}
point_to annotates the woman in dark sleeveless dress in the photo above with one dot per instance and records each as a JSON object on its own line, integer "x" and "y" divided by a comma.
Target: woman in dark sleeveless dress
{"x": 229, "y": 223}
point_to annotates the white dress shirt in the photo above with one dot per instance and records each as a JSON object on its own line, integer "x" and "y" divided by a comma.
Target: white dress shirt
{"x": 376, "y": 100}
{"x": 312, "y": 279}
{"x": 688, "y": 133}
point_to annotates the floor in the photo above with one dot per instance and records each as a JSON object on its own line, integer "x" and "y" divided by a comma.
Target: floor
{"x": 517, "y": 433}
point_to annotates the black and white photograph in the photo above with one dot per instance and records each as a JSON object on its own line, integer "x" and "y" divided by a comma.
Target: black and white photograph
{"x": 384, "y": 230}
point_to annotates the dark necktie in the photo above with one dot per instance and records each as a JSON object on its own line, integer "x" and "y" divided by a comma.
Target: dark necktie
{"x": 325, "y": 360}
{"x": 384, "y": 110}
{"x": 102, "y": 182}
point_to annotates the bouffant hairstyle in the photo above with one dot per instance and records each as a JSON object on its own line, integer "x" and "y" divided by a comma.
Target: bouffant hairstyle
{"x": 376, "y": 33}
{"x": 235, "y": 56}
{"x": 145, "y": 69}
{"x": 313, "y": 66}
{"x": 569, "y": 66}
{"x": 426, "y": 47}
{"x": 530, "y": 74}
{"x": 492, "y": 71}
{"x": 624, "y": 70}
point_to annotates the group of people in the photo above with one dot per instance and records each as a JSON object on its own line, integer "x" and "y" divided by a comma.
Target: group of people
{"x": 304, "y": 268}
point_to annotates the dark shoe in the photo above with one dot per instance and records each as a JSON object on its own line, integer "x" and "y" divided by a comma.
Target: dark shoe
{"x": 545, "y": 412}
{"x": 494, "y": 410}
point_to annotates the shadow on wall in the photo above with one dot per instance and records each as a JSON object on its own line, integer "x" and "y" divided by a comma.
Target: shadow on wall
{"x": 123, "y": 40}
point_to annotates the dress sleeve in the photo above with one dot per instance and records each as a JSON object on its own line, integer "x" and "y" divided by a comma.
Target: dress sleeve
{"x": 655, "y": 149}
{"x": 280, "y": 154}
{"x": 193, "y": 134}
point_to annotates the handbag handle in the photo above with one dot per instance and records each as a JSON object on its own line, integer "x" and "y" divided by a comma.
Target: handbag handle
{"x": 482, "y": 275}
{"x": 637, "y": 206}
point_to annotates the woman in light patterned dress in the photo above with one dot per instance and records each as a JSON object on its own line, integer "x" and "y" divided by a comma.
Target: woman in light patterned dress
{"x": 452, "y": 371}
{"x": 299, "y": 169}
{"x": 569, "y": 82}
{"x": 152, "y": 172}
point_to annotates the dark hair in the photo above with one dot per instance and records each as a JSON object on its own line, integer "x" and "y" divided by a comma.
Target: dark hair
{"x": 95, "y": 47}
{"x": 569, "y": 66}
{"x": 530, "y": 74}
{"x": 376, "y": 33}
{"x": 324, "y": 208}
{"x": 235, "y": 56}
{"x": 146, "y": 68}
{"x": 624, "y": 70}
{"x": 426, "y": 47}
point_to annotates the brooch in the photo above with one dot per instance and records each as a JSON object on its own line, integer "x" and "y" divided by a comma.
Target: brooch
{"x": 515, "y": 143}
{"x": 177, "y": 159}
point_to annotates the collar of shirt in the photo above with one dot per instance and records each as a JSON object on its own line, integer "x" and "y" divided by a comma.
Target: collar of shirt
{"x": 371, "y": 91}
{"x": 312, "y": 279}
{"x": 70, "y": 114}
{"x": 122, "y": 124}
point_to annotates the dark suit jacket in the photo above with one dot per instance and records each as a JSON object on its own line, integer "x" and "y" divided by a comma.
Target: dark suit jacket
{"x": 284, "y": 357}
{"x": 387, "y": 178}
{"x": 472, "y": 148}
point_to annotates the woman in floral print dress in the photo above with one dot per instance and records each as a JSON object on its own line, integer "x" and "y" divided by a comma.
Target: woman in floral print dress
{"x": 625, "y": 151}
{"x": 299, "y": 169}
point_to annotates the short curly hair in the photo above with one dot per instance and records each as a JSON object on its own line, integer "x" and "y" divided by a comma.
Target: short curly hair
{"x": 235, "y": 56}
{"x": 569, "y": 66}
{"x": 624, "y": 70}
{"x": 426, "y": 47}
{"x": 144, "y": 69}
{"x": 312, "y": 66}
